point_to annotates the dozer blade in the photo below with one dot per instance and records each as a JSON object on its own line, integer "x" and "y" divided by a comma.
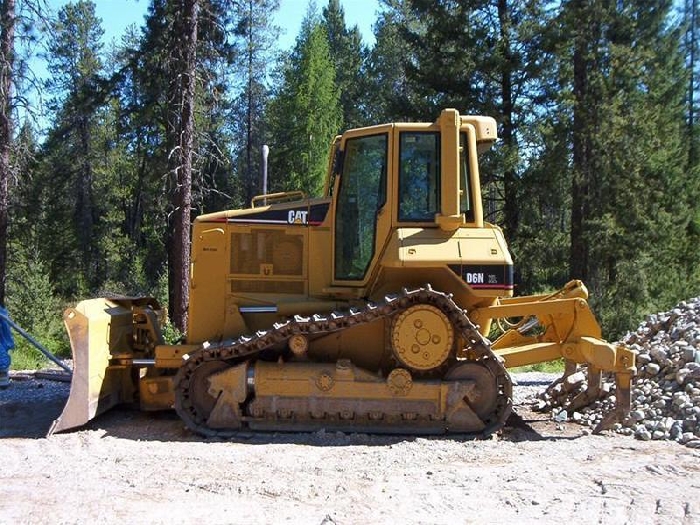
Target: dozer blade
{"x": 100, "y": 330}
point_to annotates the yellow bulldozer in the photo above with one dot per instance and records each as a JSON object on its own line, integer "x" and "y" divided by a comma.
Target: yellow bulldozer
{"x": 367, "y": 309}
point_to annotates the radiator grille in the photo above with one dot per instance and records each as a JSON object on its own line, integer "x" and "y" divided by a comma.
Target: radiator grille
{"x": 267, "y": 252}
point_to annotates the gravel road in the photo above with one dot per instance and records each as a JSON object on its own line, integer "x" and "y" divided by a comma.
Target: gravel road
{"x": 147, "y": 468}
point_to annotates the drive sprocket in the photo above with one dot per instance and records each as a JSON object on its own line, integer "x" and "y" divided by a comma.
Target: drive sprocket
{"x": 422, "y": 337}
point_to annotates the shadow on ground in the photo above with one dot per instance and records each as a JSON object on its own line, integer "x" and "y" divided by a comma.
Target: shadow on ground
{"x": 30, "y": 416}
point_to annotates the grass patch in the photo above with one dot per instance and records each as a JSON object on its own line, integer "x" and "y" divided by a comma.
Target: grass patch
{"x": 25, "y": 356}
{"x": 548, "y": 367}
{"x": 28, "y": 358}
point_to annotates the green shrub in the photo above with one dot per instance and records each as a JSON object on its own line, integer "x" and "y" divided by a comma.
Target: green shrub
{"x": 33, "y": 305}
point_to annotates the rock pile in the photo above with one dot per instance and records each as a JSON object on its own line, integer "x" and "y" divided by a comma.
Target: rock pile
{"x": 666, "y": 391}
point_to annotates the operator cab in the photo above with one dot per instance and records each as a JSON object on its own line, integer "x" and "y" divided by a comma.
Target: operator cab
{"x": 403, "y": 176}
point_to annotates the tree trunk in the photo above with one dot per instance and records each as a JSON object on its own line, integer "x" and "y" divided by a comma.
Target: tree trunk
{"x": 7, "y": 35}
{"x": 184, "y": 53}
{"x": 587, "y": 94}
{"x": 578, "y": 263}
{"x": 84, "y": 205}
{"x": 691, "y": 43}
{"x": 510, "y": 179}
{"x": 251, "y": 176}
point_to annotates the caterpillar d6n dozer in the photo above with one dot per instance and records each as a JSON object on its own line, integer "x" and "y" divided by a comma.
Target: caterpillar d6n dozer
{"x": 367, "y": 309}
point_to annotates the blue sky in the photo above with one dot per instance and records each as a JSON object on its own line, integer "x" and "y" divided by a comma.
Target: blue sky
{"x": 116, "y": 15}
{"x": 362, "y": 13}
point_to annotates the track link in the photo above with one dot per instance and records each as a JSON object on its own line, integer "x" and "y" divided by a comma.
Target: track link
{"x": 245, "y": 348}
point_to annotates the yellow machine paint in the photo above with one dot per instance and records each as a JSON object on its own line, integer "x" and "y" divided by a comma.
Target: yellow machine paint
{"x": 367, "y": 308}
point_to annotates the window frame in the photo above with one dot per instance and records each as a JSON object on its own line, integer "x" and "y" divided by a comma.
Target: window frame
{"x": 339, "y": 194}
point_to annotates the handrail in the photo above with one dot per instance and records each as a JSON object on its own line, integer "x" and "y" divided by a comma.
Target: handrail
{"x": 282, "y": 196}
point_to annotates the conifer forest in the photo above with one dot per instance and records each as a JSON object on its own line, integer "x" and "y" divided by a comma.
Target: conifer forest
{"x": 104, "y": 164}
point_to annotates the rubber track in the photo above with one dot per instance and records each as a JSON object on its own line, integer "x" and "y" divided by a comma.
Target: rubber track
{"x": 248, "y": 347}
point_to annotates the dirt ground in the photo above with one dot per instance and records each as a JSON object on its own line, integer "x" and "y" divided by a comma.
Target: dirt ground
{"x": 127, "y": 466}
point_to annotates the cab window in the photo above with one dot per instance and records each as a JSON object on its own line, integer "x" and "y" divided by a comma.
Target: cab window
{"x": 465, "y": 197}
{"x": 419, "y": 176}
{"x": 361, "y": 194}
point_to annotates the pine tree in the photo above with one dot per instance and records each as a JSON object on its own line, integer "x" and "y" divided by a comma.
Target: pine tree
{"x": 631, "y": 202}
{"x": 75, "y": 67}
{"x": 481, "y": 56}
{"x": 347, "y": 55}
{"x": 257, "y": 36}
{"x": 180, "y": 133}
{"x": 148, "y": 118}
{"x": 389, "y": 94}
{"x": 305, "y": 114}
{"x": 7, "y": 51}
{"x": 691, "y": 18}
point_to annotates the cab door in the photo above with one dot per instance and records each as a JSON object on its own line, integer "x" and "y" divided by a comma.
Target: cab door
{"x": 362, "y": 215}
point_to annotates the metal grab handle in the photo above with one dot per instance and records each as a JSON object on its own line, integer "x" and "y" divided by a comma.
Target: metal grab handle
{"x": 276, "y": 197}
